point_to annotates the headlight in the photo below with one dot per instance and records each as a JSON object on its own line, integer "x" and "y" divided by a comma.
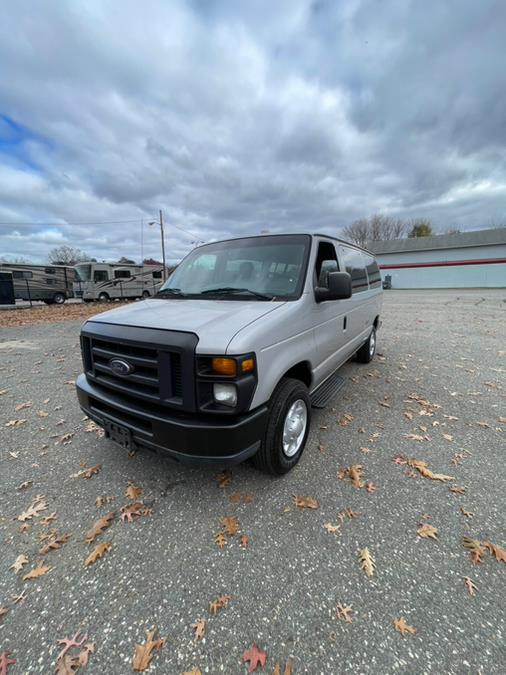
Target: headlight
{"x": 225, "y": 393}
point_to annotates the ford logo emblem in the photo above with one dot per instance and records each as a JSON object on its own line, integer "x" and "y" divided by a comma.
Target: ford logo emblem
{"x": 120, "y": 367}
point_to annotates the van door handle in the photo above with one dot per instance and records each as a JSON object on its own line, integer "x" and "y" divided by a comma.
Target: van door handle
{"x": 345, "y": 321}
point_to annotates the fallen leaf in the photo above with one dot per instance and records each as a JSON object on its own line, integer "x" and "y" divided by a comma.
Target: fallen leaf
{"x": 497, "y": 551}
{"x": 37, "y": 572}
{"x": 367, "y": 562}
{"x": 385, "y": 404}
{"x": 99, "y": 527}
{"x": 470, "y": 586}
{"x": 423, "y": 469}
{"x": 476, "y": 547}
{"x": 370, "y": 487}
{"x": 365, "y": 450}
{"x": 25, "y": 484}
{"x": 331, "y": 529}
{"x": 403, "y": 628}
{"x": 221, "y": 602}
{"x": 467, "y": 514}
{"x": 97, "y": 553}
{"x": 230, "y": 525}
{"x": 42, "y": 413}
{"x": 448, "y": 437}
{"x": 23, "y": 406}
{"x": 48, "y": 519}
{"x": 133, "y": 492}
{"x": 244, "y": 540}
{"x": 21, "y": 560}
{"x": 200, "y": 628}
{"x": 56, "y": 542}
{"x": 143, "y": 653}
{"x": 193, "y": 671}
{"x": 100, "y": 501}
{"x": 37, "y": 506}
{"x": 224, "y": 479}
{"x": 5, "y": 662}
{"x": 288, "y": 668}
{"x": 87, "y": 473}
{"x": 68, "y": 665}
{"x": 220, "y": 539}
{"x": 15, "y": 455}
{"x": 457, "y": 489}
{"x": 131, "y": 511}
{"x": 89, "y": 648}
{"x": 70, "y": 643}
{"x": 343, "y": 612}
{"x": 427, "y": 531}
{"x": 3, "y": 612}
{"x": 15, "y": 423}
{"x": 356, "y": 475}
{"x": 306, "y": 502}
{"x": 255, "y": 656}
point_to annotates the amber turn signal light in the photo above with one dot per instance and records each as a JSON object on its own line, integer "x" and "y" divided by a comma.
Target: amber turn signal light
{"x": 224, "y": 366}
{"x": 248, "y": 365}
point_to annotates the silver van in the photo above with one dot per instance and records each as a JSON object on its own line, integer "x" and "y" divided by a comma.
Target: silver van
{"x": 226, "y": 362}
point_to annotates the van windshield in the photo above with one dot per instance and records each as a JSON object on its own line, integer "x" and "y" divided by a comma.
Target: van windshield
{"x": 258, "y": 268}
{"x": 83, "y": 272}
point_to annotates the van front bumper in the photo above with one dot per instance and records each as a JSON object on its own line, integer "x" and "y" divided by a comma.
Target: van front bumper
{"x": 192, "y": 439}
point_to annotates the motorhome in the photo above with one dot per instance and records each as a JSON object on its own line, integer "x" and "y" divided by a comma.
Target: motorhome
{"x": 226, "y": 362}
{"x": 52, "y": 284}
{"x": 111, "y": 281}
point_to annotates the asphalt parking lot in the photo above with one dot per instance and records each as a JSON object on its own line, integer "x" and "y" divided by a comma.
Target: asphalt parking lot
{"x": 435, "y": 393}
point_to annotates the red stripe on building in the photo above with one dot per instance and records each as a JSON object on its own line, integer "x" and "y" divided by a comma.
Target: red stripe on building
{"x": 444, "y": 263}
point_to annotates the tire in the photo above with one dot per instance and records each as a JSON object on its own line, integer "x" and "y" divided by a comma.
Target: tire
{"x": 146, "y": 294}
{"x": 103, "y": 297}
{"x": 367, "y": 351}
{"x": 59, "y": 298}
{"x": 272, "y": 457}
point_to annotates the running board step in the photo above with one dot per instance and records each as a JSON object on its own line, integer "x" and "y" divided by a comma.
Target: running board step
{"x": 327, "y": 390}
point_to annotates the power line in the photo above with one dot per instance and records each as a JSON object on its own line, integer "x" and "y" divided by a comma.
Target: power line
{"x": 102, "y": 222}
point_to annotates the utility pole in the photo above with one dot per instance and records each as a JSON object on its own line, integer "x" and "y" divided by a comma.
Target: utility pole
{"x": 163, "y": 247}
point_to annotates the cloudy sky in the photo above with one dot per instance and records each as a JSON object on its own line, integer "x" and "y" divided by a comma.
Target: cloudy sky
{"x": 241, "y": 116}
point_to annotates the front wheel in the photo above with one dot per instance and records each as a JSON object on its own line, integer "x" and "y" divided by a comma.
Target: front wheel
{"x": 59, "y": 298}
{"x": 366, "y": 352}
{"x": 287, "y": 428}
{"x": 103, "y": 297}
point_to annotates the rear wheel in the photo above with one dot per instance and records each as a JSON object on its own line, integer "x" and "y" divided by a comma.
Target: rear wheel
{"x": 366, "y": 352}
{"x": 59, "y": 298}
{"x": 287, "y": 428}
{"x": 103, "y": 297}
{"x": 146, "y": 294}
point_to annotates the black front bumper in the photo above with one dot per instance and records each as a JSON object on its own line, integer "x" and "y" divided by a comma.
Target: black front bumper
{"x": 187, "y": 438}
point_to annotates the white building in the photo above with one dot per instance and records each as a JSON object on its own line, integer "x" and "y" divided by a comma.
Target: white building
{"x": 463, "y": 260}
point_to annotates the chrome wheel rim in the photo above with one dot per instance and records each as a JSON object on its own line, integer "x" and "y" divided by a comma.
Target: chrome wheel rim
{"x": 372, "y": 343}
{"x": 294, "y": 428}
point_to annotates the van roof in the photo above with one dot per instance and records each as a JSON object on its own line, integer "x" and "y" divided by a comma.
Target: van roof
{"x": 291, "y": 234}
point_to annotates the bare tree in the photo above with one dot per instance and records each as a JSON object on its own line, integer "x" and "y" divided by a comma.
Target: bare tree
{"x": 15, "y": 260}
{"x": 376, "y": 228}
{"x": 66, "y": 255}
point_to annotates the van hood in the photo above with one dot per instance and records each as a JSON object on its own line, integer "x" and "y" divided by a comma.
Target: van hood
{"x": 215, "y": 322}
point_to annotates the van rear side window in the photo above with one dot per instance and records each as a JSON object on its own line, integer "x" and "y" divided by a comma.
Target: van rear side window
{"x": 373, "y": 272}
{"x": 355, "y": 266}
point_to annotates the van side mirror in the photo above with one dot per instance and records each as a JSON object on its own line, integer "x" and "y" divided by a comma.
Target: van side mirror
{"x": 339, "y": 287}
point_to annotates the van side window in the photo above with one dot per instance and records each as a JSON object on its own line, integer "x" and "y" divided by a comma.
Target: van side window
{"x": 50, "y": 270}
{"x": 355, "y": 266}
{"x": 18, "y": 274}
{"x": 326, "y": 261}
{"x": 157, "y": 274}
{"x": 121, "y": 274}
{"x": 373, "y": 272}
{"x": 100, "y": 275}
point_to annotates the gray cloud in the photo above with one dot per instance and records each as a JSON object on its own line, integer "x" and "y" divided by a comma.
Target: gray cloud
{"x": 240, "y": 117}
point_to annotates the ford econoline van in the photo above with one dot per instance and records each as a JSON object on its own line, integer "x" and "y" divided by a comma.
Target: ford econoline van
{"x": 227, "y": 360}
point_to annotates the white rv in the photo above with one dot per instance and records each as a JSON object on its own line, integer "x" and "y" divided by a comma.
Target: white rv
{"x": 50, "y": 283}
{"x": 111, "y": 281}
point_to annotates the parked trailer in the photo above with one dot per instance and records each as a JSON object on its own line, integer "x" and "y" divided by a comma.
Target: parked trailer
{"x": 50, "y": 283}
{"x": 111, "y": 281}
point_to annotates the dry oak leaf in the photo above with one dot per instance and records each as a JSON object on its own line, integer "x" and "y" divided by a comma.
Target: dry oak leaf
{"x": 356, "y": 475}
{"x": 230, "y": 525}
{"x": 221, "y": 602}
{"x": 244, "y": 540}
{"x": 305, "y": 502}
{"x": 143, "y": 653}
{"x": 467, "y": 514}
{"x": 23, "y": 406}
{"x": 427, "y": 531}
{"x": 68, "y": 665}
{"x": 21, "y": 560}
{"x": 131, "y": 511}
{"x": 224, "y": 479}
{"x": 17, "y": 599}
{"x": 422, "y": 468}
{"x": 89, "y": 648}
{"x": 288, "y": 668}
{"x": 48, "y": 519}
{"x": 37, "y": 572}
{"x": 97, "y": 553}
{"x": 56, "y": 542}
{"x": 457, "y": 489}
{"x": 200, "y": 628}
{"x": 476, "y": 547}
{"x": 5, "y": 662}
{"x": 100, "y": 501}
{"x": 15, "y": 423}
{"x": 403, "y": 628}
{"x": 34, "y": 509}
{"x": 3, "y": 612}
{"x": 367, "y": 562}
{"x": 193, "y": 671}
{"x": 220, "y": 539}
{"x": 470, "y": 586}
{"x": 25, "y": 484}
{"x": 87, "y": 473}
{"x": 133, "y": 492}
{"x": 370, "y": 487}
{"x": 497, "y": 551}
{"x": 331, "y": 529}
{"x": 99, "y": 527}
{"x": 70, "y": 643}
{"x": 343, "y": 612}
{"x": 255, "y": 656}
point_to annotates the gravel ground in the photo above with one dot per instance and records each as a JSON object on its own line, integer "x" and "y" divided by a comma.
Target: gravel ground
{"x": 164, "y": 569}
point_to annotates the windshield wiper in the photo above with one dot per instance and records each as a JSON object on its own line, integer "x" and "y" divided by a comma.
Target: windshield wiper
{"x": 236, "y": 291}
{"x": 170, "y": 291}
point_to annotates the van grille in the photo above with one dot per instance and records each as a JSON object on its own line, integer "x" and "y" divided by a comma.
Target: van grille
{"x": 144, "y": 381}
